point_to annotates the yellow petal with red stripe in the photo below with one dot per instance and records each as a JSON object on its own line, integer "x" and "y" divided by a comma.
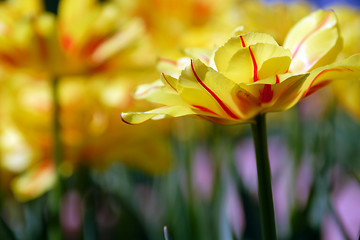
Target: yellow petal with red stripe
{"x": 348, "y": 69}
{"x": 256, "y": 62}
{"x": 314, "y": 41}
{"x": 271, "y": 91}
{"x": 202, "y": 86}
{"x": 224, "y": 53}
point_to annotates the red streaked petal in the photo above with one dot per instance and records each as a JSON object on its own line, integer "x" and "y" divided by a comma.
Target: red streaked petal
{"x": 317, "y": 28}
{"x": 254, "y": 64}
{"x": 267, "y": 94}
{"x": 255, "y": 76}
{"x": 204, "y": 109}
{"x": 316, "y": 87}
{"x": 319, "y": 74}
{"x": 242, "y": 41}
{"x": 168, "y": 82}
{"x": 218, "y": 100}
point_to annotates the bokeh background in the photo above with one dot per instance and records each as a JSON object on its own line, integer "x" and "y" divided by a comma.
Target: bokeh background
{"x": 69, "y": 68}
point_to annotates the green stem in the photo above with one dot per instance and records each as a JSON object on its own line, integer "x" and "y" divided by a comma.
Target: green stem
{"x": 56, "y": 123}
{"x": 55, "y": 194}
{"x": 264, "y": 178}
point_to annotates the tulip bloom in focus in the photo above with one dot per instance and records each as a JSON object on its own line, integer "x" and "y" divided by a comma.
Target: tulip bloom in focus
{"x": 251, "y": 74}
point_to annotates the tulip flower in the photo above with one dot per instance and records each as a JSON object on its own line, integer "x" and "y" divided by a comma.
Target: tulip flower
{"x": 86, "y": 37}
{"x": 249, "y": 76}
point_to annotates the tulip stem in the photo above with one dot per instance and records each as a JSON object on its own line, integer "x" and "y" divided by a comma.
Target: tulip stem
{"x": 264, "y": 178}
{"x": 55, "y": 194}
{"x": 56, "y": 123}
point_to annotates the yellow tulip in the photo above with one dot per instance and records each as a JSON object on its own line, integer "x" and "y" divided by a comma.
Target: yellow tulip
{"x": 251, "y": 74}
{"x": 86, "y": 37}
{"x": 90, "y": 127}
{"x": 94, "y": 37}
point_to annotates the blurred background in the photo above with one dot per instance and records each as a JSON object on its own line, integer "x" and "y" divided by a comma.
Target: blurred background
{"x": 71, "y": 169}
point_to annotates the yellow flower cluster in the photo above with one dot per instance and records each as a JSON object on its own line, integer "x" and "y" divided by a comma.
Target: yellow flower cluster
{"x": 100, "y": 52}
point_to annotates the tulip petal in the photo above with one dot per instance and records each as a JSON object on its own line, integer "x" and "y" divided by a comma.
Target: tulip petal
{"x": 202, "y": 86}
{"x": 224, "y": 53}
{"x": 348, "y": 69}
{"x": 269, "y": 91}
{"x": 157, "y": 92}
{"x": 256, "y": 62}
{"x": 171, "y": 67}
{"x": 286, "y": 94}
{"x": 314, "y": 41}
{"x": 155, "y": 114}
{"x": 202, "y": 54}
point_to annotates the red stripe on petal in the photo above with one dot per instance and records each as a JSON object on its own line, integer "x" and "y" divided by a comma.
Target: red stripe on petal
{"x": 319, "y": 74}
{"x": 277, "y": 79}
{"x": 267, "y": 94}
{"x": 252, "y": 58}
{"x": 169, "y": 83}
{"x": 204, "y": 109}
{"x": 242, "y": 41}
{"x": 254, "y": 64}
{"x": 309, "y": 34}
{"x": 221, "y": 103}
{"x": 317, "y": 87}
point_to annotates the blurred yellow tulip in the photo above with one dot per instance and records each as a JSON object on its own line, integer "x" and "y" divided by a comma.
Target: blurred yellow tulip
{"x": 348, "y": 92}
{"x": 84, "y": 46}
{"x": 86, "y": 37}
